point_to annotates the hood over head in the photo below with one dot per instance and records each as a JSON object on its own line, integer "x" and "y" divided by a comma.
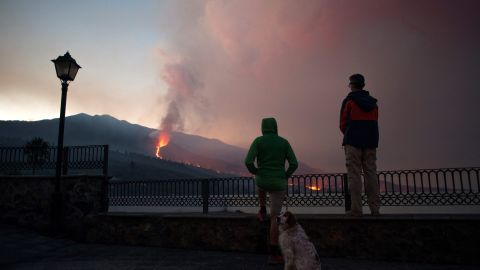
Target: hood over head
{"x": 269, "y": 126}
{"x": 363, "y": 99}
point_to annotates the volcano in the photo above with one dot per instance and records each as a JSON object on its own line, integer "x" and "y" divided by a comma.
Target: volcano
{"x": 122, "y": 136}
{"x": 175, "y": 152}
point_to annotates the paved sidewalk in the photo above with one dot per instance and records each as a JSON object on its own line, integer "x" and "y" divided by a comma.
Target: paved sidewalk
{"x": 24, "y": 249}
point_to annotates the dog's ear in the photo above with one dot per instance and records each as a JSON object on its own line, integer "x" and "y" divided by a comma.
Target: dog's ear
{"x": 291, "y": 220}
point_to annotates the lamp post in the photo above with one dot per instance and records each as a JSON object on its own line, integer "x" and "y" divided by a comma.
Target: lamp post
{"x": 66, "y": 68}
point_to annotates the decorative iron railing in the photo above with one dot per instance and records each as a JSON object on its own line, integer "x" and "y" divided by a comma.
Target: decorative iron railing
{"x": 22, "y": 160}
{"x": 452, "y": 186}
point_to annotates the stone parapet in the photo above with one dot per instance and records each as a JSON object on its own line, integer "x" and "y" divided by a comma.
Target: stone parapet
{"x": 27, "y": 201}
{"x": 417, "y": 238}
{"x": 214, "y": 232}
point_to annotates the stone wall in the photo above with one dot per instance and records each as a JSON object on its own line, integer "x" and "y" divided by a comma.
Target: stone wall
{"x": 27, "y": 201}
{"x": 229, "y": 232}
{"x": 83, "y": 200}
{"x": 418, "y": 238}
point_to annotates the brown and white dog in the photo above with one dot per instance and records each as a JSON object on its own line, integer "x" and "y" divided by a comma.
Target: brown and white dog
{"x": 298, "y": 252}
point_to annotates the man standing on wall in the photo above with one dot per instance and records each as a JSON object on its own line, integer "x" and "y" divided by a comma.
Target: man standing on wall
{"x": 270, "y": 151}
{"x": 359, "y": 125}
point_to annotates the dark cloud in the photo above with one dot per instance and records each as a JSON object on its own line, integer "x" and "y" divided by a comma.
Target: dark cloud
{"x": 292, "y": 59}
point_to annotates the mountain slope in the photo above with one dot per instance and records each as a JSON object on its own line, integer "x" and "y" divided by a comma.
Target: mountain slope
{"x": 83, "y": 129}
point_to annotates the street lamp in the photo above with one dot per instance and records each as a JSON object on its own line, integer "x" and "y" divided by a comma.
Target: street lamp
{"x": 66, "y": 68}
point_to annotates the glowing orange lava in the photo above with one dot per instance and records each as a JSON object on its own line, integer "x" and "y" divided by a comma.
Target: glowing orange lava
{"x": 314, "y": 187}
{"x": 163, "y": 140}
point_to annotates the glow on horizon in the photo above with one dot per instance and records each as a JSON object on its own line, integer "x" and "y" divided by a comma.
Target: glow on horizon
{"x": 249, "y": 59}
{"x": 114, "y": 42}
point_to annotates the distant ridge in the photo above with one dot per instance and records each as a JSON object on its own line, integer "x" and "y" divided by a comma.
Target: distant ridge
{"x": 125, "y": 137}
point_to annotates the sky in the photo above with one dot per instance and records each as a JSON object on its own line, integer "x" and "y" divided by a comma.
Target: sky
{"x": 216, "y": 68}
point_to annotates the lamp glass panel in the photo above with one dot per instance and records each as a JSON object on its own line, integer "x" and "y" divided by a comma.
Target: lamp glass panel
{"x": 73, "y": 70}
{"x": 62, "y": 68}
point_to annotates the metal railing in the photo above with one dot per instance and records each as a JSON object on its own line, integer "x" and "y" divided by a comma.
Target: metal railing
{"x": 22, "y": 160}
{"x": 452, "y": 186}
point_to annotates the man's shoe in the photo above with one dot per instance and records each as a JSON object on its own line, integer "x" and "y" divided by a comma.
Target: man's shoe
{"x": 376, "y": 213}
{"x": 275, "y": 259}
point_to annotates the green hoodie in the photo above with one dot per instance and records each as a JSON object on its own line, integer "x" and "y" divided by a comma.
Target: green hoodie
{"x": 271, "y": 151}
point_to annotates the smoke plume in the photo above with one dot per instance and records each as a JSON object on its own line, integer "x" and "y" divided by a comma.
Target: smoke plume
{"x": 183, "y": 87}
{"x": 291, "y": 59}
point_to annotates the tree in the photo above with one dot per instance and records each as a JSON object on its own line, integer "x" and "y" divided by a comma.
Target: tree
{"x": 37, "y": 152}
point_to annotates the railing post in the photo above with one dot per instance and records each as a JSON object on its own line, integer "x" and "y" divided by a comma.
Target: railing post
{"x": 346, "y": 191}
{"x": 65, "y": 160}
{"x": 205, "y": 195}
{"x": 105, "y": 179}
{"x": 105, "y": 160}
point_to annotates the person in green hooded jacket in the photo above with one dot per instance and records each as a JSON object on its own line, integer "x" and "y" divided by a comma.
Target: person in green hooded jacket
{"x": 271, "y": 151}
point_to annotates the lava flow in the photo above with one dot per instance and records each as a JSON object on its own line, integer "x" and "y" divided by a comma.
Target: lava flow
{"x": 163, "y": 140}
{"x": 314, "y": 187}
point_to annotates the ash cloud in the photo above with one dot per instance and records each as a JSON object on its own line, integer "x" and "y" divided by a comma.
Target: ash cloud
{"x": 173, "y": 120}
{"x": 291, "y": 60}
{"x": 182, "y": 95}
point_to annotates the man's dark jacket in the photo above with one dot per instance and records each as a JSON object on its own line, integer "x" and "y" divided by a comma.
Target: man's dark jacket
{"x": 359, "y": 120}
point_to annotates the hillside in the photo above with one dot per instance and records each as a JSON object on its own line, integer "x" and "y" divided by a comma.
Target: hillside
{"x": 124, "y": 137}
